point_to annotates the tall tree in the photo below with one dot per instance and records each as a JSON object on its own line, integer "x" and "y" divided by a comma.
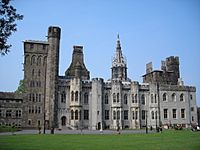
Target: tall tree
{"x": 21, "y": 88}
{"x": 8, "y": 17}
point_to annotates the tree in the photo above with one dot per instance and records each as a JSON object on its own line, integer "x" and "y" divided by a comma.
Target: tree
{"x": 20, "y": 88}
{"x": 8, "y": 17}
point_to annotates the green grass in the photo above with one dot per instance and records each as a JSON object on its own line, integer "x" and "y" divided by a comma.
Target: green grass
{"x": 168, "y": 140}
{"x": 7, "y": 129}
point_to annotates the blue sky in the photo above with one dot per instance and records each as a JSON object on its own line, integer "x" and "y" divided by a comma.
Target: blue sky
{"x": 150, "y": 30}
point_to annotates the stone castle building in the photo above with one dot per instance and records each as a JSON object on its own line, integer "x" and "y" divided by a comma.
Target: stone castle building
{"x": 75, "y": 101}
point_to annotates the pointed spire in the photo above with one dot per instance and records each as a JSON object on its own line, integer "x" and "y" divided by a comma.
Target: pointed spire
{"x": 118, "y": 42}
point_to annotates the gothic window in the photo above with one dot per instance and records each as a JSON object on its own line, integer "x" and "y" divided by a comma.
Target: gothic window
{"x": 125, "y": 99}
{"x": 26, "y": 61}
{"x": 191, "y": 96}
{"x": 114, "y": 115}
{"x": 39, "y": 61}
{"x": 192, "y": 108}
{"x": 32, "y": 109}
{"x": 63, "y": 97}
{"x": 114, "y": 98}
{"x": 39, "y": 110}
{"x": 164, "y": 97}
{"x": 136, "y": 115}
{"x": 106, "y": 114}
{"x": 76, "y": 115}
{"x": 33, "y": 59}
{"x": 117, "y": 97}
{"x": 39, "y": 97}
{"x": 36, "y": 110}
{"x": 143, "y": 114}
{"x": 72, "y": 96}
{"x": 8, "y": 113}
{"x": 152, "y": 114}
{"x": 125, "y": 114}
{"x": 18, "y": 113}
{"x": 118, "y": 115}
{"x": 165, "y": 113}
{"x": 174, "y": 113}
{"x": 33, "y": 97}
{"x": 133, "y": 115}
{"x": 135, "y": 98}
{"x": 72, "y": 115}
{"x": 86, "y": 115}
{"x": 76, "y": 96}
{"x": 151, "y": 98}
{"x": 80, "y": 115}
{"x": 36, "y": 97}
{"x": 182, "y": 97}
{"x": 143, "y": 99}
{"x": 29, "y": 109}
{"x": 173, "y": 97}
{"x": 155, "y": 98}
{"x": 38, "y": 122}
{"x": 29, "y": 122}
{"x": 106, "y": 98}
{"x": 182, "y": 113}
{"x": 86, "y": 98}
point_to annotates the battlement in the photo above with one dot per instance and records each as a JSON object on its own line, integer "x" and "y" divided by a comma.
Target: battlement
{"x": 172, "y": 60}
{"x": 97, "y": 80}
{"x": 54, "y": 31}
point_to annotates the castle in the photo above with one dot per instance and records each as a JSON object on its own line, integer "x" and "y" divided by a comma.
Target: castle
{"x": 74, "y": 101}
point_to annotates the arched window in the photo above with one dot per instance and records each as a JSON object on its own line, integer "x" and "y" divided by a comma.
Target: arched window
{"x": 72, "y": 115}
{"x": 33, "y": 59}
{"x": 114, "y": 97}
{"x": 39, "y": 73}
{"x": 135, "y": 98}
{"x": 39, "y": 61}
{"x": 114, "y": 115}
{"x": 173, "y": 97}
{"x": 125, "y": 99}
{"x": 151, "y": 98}
{"x": 45, "y": 60}
{"x": 106, "y": 98}
{"x": 143, "y": 99}
{"x": 117, "y": 97}
{"x": 152, "y": 114}
{"x": 76, "y": 96}
{"x": 76, "y": 115}
{"x": 63, "y": 120}
{"x": 63, "y": 97}
{"x": 86, "y": 98}
{"x": 72, "y": 96}
{"x": 26, "y": 61}
{"x": 164, "y": 97}
{"x": 182, "y": 97}
{"x": 155, "y": 98}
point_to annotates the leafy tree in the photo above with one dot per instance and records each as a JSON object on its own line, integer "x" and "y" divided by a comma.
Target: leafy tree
{"x": 20, "y": 88}
{"x": 8, "y": 16}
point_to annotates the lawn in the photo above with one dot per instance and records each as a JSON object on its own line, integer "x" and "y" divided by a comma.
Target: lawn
{"x": 176, "y": 140}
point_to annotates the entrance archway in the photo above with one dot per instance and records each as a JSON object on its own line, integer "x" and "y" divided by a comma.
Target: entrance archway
{"x": 63, "y": 121}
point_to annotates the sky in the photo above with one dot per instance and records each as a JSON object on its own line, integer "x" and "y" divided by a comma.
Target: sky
{"x": 149, "y": 30}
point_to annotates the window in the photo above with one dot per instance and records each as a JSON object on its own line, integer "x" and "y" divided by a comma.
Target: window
{"x": 39, "y": 97}
{"x": 29, "y": 122}
{"x": 133, "y": 100}
{"x": 117, "y": 97}
{"x": 72, "y": 115}
{"x": 76, "y": 96}
{"x": 30, "y": 97}
{"x": 86, "y": 114}
{"x": 8, "y": 113}
{"x": 39, "y": 122}
{"x": 39, "y": 110}
{"x": 192, "y": 108}
{"x": 43, "y": 46}
{"x": 143, "y": 114}
{"x": 183, "y": 113}
{"x": 182, "y": 97}
{"x": 26, "y": 61}
{"x": 39, "y": 60}
{"x": 76, "y": 115}
{"x": 63, "y": 97}
{"x": 86, "y": 98}
{"x": 114, "y": 115}
{"x": 125, "y": 99}
{"x": 143, "y": 99}
{"x": 192, "y": 118}
{"x": 72, "y": 96}
{"x": 106, "y": 98}
{"x": 1, "y": 113}
{"x": 136, "y": 115}
{"x": 106, "y": 114}
{"x": 114, "y": 97}
{"x": 33, "y": 59}
{"x": 174, "y": 113}
{"x": 133, "y": 115}
{"x": 18, "y": 114}
{"x": 39, "y": 73}
{"x": 173, "y": 97}
{"x": 164, "y": 97}
{"x": 80, "y": 115}
{"x": 118, "y": 115}
{"x": 152, "y": 114}
{"x": 165, "y": 113}
{"x": 33, "y": 72}
{"x": 125, "y": 114}
{"x": 151, "y": 98}
{"x": 33, "y": 97}
{"x": 191, "y": 96}
{"x": 155, "y": 98}
{"x": 29, "y": 109}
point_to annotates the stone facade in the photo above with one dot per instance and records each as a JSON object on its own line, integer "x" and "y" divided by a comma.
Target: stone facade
{"x": 74, "y": 101}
